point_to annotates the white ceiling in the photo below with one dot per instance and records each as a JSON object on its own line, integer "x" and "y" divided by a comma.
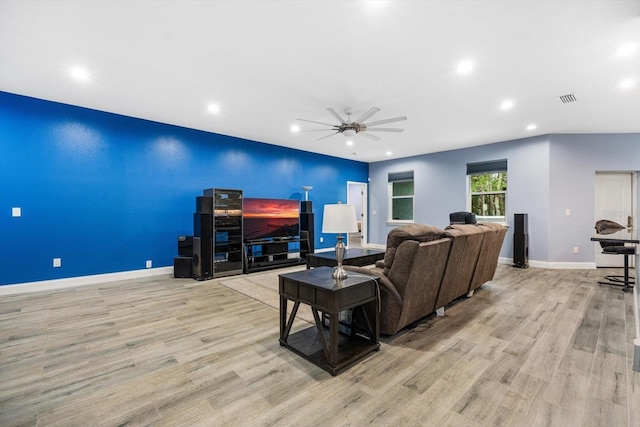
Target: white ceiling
{"x": 266, "y": 63}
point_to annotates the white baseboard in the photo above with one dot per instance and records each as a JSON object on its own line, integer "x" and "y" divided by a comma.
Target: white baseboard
{"x": 48, "y": 285}
{"x": 553, "y": 265}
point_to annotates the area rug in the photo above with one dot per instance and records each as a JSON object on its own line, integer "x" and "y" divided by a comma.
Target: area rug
{"x": 263, "y": 287}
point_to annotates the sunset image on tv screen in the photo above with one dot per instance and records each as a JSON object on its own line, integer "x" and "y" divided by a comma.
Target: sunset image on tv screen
{"x": 270, "y": 218}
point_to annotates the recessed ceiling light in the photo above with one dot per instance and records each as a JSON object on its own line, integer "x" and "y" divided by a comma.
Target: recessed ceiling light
{"x": 349, "y": 142}
{"x": 465, "y": 67}
{"x": 506, "y": 104}
{"x": 532, "y": 126}
{"x": 80, "y": 73}
{"x": 213, "y": 108}
{"x": 388, "y": 153}
{"x": 627, "y": 84}
{"x": 295, "y": 128}
{"x": 627, "y": 49}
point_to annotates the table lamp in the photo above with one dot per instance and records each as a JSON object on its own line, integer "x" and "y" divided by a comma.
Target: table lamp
{"x": 339, "y": 219}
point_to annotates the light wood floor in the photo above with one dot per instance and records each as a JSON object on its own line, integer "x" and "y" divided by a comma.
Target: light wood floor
{"x": 533, "y": 347}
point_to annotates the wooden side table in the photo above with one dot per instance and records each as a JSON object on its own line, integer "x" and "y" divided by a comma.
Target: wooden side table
{"x": 328, "y": 349}
{"x": 356, "y": 256}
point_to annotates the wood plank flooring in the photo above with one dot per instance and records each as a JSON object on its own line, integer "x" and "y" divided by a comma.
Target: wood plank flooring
{"x": 532, "y": 348}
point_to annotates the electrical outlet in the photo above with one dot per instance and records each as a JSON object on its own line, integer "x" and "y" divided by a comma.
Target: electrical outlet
{"x": 567, "y": 212}
{"x": 57, "y": 262}
{"x": 148, "y": 263}
{"x": 576, "y": 250}
{"x": 322, "y": 240}
{"x": 16, "y": 212}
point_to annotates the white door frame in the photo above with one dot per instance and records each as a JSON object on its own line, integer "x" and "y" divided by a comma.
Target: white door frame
{"x": 364, "y": 217}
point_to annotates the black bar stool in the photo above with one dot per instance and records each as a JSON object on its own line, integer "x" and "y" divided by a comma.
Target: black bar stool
{"x": 625, "y": 281}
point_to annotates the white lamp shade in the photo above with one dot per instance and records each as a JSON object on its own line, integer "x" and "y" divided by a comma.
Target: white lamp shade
{"x": 339, "y": 219}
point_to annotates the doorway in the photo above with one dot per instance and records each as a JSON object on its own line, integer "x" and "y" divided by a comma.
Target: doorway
{"x": 615, "y": 201}
{"x": 357, "y": 196}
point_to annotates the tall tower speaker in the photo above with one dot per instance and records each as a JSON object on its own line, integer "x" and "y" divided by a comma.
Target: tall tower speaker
{"x": 204, "y": 204}
{"x": 521, "y": 241}
{"x": 203, "y": 245}
{"x": 307, "y": 224}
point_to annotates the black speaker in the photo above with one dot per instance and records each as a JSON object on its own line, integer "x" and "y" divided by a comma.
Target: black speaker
{"x": 185, "y": 246}
{"x": 521, "y": 223}
{"x": 203, "y": 245}
{"x": 202, "y": 261}
{"x": 306, "y": 207}
{"x": 204, "y": 204}
{"x": 182, "y": 267}
{"x": 307, "y": 224}
{"x": 203, "y": 225}
{"x": 520, "y": 241}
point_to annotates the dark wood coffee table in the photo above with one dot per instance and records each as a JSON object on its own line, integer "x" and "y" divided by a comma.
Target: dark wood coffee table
{"x": 329, "y": 349}
{"x": 356, "y": 256}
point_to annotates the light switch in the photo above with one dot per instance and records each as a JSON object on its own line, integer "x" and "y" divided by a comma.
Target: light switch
{"x": 567, "y": 212}
{"x": 57, "y": 262}
{"x": 15, "y": 212}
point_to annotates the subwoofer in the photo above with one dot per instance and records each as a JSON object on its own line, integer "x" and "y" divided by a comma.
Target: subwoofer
{"x": 520, "y": 241}
{"x": 183, "y": 267}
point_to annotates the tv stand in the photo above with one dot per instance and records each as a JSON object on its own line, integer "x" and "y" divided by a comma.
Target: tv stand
{"x": 272, "y": 253}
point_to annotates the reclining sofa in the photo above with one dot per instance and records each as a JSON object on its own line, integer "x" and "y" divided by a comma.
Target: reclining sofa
{"x": 425, "y": 268}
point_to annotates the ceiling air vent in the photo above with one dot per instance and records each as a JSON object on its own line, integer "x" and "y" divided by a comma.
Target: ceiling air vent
{"x": 568, "y": 98}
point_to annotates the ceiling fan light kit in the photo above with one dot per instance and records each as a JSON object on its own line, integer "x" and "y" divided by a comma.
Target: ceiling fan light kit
{"x": 350, "y": 128}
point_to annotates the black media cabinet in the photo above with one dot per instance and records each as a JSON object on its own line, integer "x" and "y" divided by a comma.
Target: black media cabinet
{"x": 273, "y": 253}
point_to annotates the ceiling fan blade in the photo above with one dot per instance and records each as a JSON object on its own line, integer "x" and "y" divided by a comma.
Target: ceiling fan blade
{"x": 315, "y": 130}
{"x": 368, "y": 114}
{"x": 384, "y": 129}
{"x": 336, "y": 115}
{"x": 318, "y": 123}
{"x": 327, "y": 136}
{"x": 368, "y": 135}
{"x": 380, "y": 122}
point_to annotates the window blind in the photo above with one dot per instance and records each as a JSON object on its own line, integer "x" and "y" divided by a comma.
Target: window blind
{"x": 486, "y": 167}
{"x": 400, "y": 176}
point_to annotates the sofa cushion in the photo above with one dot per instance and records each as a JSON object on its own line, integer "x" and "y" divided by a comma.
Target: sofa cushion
{"x": 417, "y": 232}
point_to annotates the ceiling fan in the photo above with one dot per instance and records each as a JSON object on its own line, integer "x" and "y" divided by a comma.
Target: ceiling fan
{"x": 350, "y": 128}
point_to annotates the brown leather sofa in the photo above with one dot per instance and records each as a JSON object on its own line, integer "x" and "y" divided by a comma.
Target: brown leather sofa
{"x": 425, "y": 268}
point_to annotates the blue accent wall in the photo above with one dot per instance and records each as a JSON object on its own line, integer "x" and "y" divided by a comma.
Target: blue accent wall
{"x": 105, "y": 192}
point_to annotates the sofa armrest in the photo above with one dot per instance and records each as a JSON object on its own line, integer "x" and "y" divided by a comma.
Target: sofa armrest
{"x": 382, "y": 279}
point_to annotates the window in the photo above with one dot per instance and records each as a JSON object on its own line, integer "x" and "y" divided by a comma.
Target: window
{"x": 401, "y": 196}
{"x": 488, "y": 190}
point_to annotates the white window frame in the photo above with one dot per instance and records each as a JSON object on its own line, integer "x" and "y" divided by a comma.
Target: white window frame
{"x": 481, "y": 218}
{"x": 390, "y": 219}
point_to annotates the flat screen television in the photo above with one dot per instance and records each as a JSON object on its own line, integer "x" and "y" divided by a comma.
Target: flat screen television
{"x": 270, "y": 219}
